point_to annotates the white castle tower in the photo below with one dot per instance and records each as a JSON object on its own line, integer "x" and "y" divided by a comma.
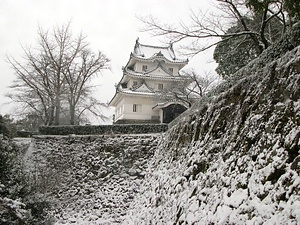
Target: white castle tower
{"x": 149, "y": 72}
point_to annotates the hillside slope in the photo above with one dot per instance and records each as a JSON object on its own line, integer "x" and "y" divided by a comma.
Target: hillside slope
{"x": 234, "y": 157}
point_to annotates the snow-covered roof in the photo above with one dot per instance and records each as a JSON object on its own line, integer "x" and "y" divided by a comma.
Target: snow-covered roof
{"x": 142, "y": 93}
{"x": 167, "y": 103}
{"x": 141, "y": 90}
{"x": 150, "y": 52}
{"x": 146, "y": 75}
{"x": 130, "y": 92}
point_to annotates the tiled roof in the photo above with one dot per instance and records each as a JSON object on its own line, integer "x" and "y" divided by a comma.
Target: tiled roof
{"x": 149, "y": 52}
{"x": 146, "y": 75}
{"x": 127, "y": 91}
{"x": 170, "y": 102}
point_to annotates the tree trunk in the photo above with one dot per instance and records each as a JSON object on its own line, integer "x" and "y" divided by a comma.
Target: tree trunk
{"x": 57, "y": 111}
{"x": 50, "y": 116}
{"x": 72, "y": 114}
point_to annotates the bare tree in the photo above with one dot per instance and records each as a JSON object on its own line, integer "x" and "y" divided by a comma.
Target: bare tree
{"x": 60, "y": 68}
{"x": 82, "y": 68}
{"x": 200, "y": 84}
{"x": 192, "y": 89}
{"x": 91, "y": 106}
{"x": 33, "y": 87}
{"x": 213, "y": 26}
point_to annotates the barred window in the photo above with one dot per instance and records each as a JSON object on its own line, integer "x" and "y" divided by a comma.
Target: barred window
{"x": 160, "y": 87}
{"x": 137, "y": 108}
{"x": 144, "y": 68}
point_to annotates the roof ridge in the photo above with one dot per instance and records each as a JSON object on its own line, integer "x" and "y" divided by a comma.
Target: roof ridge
{"x": 155, "y": 46}
{"x": 155, "y": 56}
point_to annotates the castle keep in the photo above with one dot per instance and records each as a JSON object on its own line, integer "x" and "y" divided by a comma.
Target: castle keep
{"x": 142, "y": 93}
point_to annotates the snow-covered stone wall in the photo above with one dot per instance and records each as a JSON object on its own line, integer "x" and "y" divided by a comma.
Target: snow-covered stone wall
{"x": 90, "y": 179}
{"x": 234, "y": 158}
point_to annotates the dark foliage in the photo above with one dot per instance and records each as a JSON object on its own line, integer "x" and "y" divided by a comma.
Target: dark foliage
{"x": 17, "y": 202}
{"x": 235, "y": 52}
{"x": 104, "y": 129}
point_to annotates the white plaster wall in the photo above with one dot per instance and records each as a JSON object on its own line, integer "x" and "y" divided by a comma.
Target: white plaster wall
{"x": 151, "y": 65}
{"x": 175, "y": 70}
{"x": 166, "y": 84}
{"x": 146, "y": 112}
{"x": 139, "y": 66}
{"x": 119, "y": 109}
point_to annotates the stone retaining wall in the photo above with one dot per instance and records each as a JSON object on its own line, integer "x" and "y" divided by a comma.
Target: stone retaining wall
{"x": 91, "y": 179}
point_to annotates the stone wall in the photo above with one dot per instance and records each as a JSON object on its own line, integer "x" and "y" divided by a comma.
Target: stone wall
{"x": 90, "y": 179}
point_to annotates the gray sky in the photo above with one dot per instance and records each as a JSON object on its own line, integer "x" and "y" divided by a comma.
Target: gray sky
{"x": 111, "y": 26}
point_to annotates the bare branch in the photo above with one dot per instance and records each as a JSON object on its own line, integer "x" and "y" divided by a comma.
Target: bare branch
{"x": 56, "y": 73}
{"x": 214, "y": 28}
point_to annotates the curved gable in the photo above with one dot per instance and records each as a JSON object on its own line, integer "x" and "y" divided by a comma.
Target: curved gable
{"x": 159, "y": 70}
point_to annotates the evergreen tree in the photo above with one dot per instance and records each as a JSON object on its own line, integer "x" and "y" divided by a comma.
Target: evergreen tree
{"x": 235, "y": 51}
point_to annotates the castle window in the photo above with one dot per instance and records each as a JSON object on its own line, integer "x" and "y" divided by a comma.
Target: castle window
{"x": 160, "y": 87}
{"x": 137, "y": 108}
{"x": 170, "y": 70}
{"x": 144, "y": 68}
{"x": 134, "y": 83}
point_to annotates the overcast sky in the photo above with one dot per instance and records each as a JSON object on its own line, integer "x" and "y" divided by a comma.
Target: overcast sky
{"x": 111, "y": 26}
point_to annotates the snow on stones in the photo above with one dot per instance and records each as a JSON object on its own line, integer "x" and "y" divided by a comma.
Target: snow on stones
{"x": 91, "y": 179}
{"x": 235, "y": 161}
